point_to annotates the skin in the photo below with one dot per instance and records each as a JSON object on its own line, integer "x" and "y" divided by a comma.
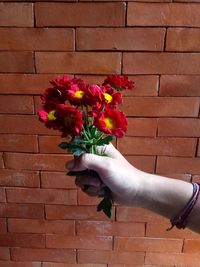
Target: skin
{"x": 132, "y": 187}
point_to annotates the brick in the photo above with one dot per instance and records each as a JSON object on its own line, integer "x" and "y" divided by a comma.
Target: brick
{"x": 163, "y": 14}
{"x": 183, "y": 147}
{"x": 180, "y": 39}
{"x": 4, "y": 254}
{"x": 178, "y": 165}
{"x": 130, "y": 214}
{"x": 17, "y": 83}
{"x": 22, "y": 240}
{"x": 49, "y": 264}
{"x": 48, "y": 162}
{"x": 79, "y": 242}
{"x": 41, "y": 226}
{"x": 16, "y": 104}
{"x": 158, "y": 230}
{"x": 110, "y": 257}
{"x": 180, "y": 259}
{"x": 23, "y": 124}
{"x": 57, "y": 180}
{"x": 161, "y": 106}
{"x": 16, "y": 62}
{"x": 17, "y": 14}
{"x": 179, "y": 85}
{"x": 57, "y": 255}
{"x": 20, "y": 264}
{"x": 19, "y": 178}
{"x": 84, "y": 199}
{"x": 191, "y": 246}
{"x": 18, "y": 143}
{"x": 142, "y": 127}
{"x": 145, "y": 163}
{"x": 48, "y": 39}
{"x": 161, "y": 63}
{"x": 3, "y": 225}
{"x": 12, "y": 210}
{"x": 149, "y": 39}
{"x": 97, "y": 228}
{"x": 74, "y": 62}
{"x": 80, "y": 14}
{"x": 61, "y": 212}
{"x": 148, "y": 244}
{"x": 54, "y": 196}
{"x": 2, "y": 195}
{"x": 49, "y": 144}
{"x": 179, "y": 127}
{"x": 1, "y": 161}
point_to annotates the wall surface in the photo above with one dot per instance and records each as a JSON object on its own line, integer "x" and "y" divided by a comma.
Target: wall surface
{"x": 45, "y": 221}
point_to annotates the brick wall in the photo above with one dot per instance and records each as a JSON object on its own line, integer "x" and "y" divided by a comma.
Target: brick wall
{"x": 44, "y": 220}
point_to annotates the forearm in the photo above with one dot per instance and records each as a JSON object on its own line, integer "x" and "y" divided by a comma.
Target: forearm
{"x": 167, "y": 197}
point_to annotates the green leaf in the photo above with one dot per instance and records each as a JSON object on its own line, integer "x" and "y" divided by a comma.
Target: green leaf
{"x": 118, "y": 88}
{"x": 104, "y": 141}
{"x": 76, "y": 149}
{"x": 64, "y": 145}
{"x": 106, "y": 206}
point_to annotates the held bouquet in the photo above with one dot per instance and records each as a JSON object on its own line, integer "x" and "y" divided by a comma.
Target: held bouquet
{"x": 87, "y": 116}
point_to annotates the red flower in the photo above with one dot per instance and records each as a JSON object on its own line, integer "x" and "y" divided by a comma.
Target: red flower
{"x": 76, "y": 93}
{"x": 119, "y": 82}
{"x": 94, "y": 96}
{"x": 47, "y": 115}
{"x": 55, "y": 94}
{"x": 111, "y": 97}
{"x": 111, "y": 122}
{"x": 60, "y": 81}
{"x": 70, "y": 120}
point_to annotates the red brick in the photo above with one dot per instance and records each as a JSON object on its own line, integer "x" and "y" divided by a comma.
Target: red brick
{"x": 74, "y": 62}
{"x": 183, "y": 147}
{"x": 84, "y": 199}
{"x": 182, "y": 39}
{"x": 4, "y": 254}
{"x": 163, "y": 14}
{"x": 16, "y": 62}
{"x": 179, "y": 259}
{"x": 18, "y": 143}
{"x": 179, "y": 85}
{"x": 57, "y": 180}
{"x": 19, "y": 264}
{"x": 142, "y": 127}
{"x": 48, "y": 162}
{"x": 161, "y": 106}
{"x": 61, "y": 212}
{"x": 130, "y": 214}
{"x": 2, "y": 195}
{"x": 24, "y": 83}
{"x": 161, "y": 63}
{"x": 158, "y": 230}
{"x": 179, "y": 127}
{"x": 12, "y": 210}
{"x": 48, "y": 39}
{"x": 23, "y": 124}
{"x": 145, "y": 163}
{"x": 1, "y": 161}
{"x": 80, "y": 14}
{"x": 104, "y": 228}
{"x": 49, "y": 264}
{"x": 57, "y": 255}
{"x": 17, "y": 14}
{"x": 49, "y": 144}
{"x": 54, "y": 196}
{"x": 178, "y": 165}
{"x": 147, "y": 244}
{"x": 41, "y": 226}
{"x": 16, "y": 104}
{"x": 19, "y": 178}
{"x": 3, "y": 225}
{"x": 191, "y": 246}
{"x": 110, "y": 257}
{"x": 79, "y": 242}
{"x": 149, "y": 39}
{"x": 22, "y": 240}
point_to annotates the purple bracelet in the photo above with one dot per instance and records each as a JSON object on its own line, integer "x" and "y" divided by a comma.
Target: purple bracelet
{"x": 181, "y": 219}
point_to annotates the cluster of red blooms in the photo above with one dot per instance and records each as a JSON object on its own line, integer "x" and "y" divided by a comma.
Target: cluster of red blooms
{"x": 63, "y": 103}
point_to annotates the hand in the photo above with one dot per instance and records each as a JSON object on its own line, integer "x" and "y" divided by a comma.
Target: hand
{"x": 113, "y": 170}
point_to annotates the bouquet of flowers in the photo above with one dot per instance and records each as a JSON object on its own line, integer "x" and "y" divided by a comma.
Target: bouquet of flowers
{"x": 87, "y": 116}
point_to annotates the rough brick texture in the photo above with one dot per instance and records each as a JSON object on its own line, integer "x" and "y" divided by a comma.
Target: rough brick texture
{"x": 44, "y": 220}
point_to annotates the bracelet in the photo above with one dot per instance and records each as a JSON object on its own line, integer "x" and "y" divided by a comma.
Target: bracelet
{"x": 181, "y": 219}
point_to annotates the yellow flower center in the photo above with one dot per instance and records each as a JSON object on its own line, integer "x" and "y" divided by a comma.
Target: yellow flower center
{"x": 51, "y": 115}
{"x": 110, "y": 124}
{"x": 108, "y": 97}
{"x": 79, "y": 94}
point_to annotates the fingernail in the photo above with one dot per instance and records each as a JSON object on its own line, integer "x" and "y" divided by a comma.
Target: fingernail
{"x": 70, "y": 164}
